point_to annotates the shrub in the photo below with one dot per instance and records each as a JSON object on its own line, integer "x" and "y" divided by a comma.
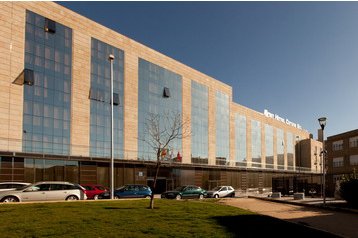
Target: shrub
{"x": 349, "y": 191}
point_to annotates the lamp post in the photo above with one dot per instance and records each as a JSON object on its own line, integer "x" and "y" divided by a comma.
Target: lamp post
{"x": 111, "y": 58}
{"x": 322, "y": 123}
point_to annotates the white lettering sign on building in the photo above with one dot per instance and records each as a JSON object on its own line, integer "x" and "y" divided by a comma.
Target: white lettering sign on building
{"x": 281, "y": 119}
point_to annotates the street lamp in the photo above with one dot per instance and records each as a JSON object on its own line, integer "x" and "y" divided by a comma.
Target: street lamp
{"x": 322, "y": 123}
{"x": 111, "y": 58}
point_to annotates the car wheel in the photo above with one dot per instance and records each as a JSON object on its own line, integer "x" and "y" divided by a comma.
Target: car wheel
{"x": 178, "y": 197}
{"x": 72, "y": 198}
{"x": 147, "y": 197}
{"x": 201, "y": 196}
{"x": 216, "y": 196}
{"x": 10, "y": 199}
{"x": 233, "y": 195}
{"x": 95, "y": 197}
{"x": 116, "y": 197}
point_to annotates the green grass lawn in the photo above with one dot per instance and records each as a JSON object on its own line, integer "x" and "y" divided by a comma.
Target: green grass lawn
{"x": 132, "y": 218}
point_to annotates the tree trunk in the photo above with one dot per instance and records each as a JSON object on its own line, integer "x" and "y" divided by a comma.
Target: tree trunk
{"x": 154, "y": 185}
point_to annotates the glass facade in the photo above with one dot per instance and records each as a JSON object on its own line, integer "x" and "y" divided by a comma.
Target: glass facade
{"x": 269, "y": 146}
{"x": 256, "y": 143}
{"x": 47, "y": 103}
{"x": 280, "y": 149}
{"x": 290, "y": 151}
{"x": 152, "y": 79}
{"x": 240, "y": 140}
{"x": 222, "y": 128}
{"x": 199, "y": 123}
{"x": 100, "y": 95}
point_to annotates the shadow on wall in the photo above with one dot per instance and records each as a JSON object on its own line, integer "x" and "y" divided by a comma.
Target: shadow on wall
{"x": 265, "y": 226}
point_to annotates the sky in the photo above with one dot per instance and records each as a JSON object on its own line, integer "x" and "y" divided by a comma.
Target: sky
{"x": 296, "y": 59}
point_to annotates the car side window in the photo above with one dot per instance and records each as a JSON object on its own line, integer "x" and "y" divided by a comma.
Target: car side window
{"x": 55, "y": 187}
{"x": 3, "y": 186}
{"x": 44, "y": 187}
{"x": 224, "y": 189}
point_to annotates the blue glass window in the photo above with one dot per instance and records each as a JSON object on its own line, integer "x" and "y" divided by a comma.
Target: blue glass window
{"x": 100, "y": 121}
{"x": 256, "y": 143}
{"x": 290, "y": 151}
{"x": 269, "y": 146}
{"x": 199, "y": 123}
{"x": 240, "y": 140}
{"x": 152, "y": 79}
{"x": 47, "y": 103}
{"x": 222, "y": 128}
{"x": 280, "y": 149}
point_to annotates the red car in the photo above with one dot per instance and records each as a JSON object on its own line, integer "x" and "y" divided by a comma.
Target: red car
{"x": 92, "y": 190}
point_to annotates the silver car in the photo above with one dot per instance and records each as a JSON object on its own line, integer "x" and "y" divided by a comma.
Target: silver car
{"x": 7, "y": 186}
{"x": 221, "y": 192}
{"x": 45, "y": 191}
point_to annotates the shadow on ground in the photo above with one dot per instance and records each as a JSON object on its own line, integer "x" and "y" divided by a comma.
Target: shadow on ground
{"x": 265, "y": 226}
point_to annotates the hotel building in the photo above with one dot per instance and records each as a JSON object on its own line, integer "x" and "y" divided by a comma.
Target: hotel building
{"x": 55, "y": 111}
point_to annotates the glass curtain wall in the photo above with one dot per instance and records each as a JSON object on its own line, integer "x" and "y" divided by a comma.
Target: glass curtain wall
{"x": 199, "y": 123}
{"x": 290, "y": 151}
{"x": 222, "y": 128}
{"x": 269, "y": 146}
{"x": 280, "y": 149}
{"x": 47, "y": 103}
{"x": 100, "y": 95}
{"x": 159, "y": 94}
{"x": 240, "y": 140}
{"x": 256, "y": 143}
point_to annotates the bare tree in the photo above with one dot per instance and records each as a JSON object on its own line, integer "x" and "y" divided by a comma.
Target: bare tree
{"x": 160, "y": 131}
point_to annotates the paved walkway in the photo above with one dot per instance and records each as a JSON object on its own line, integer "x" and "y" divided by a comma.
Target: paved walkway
{"x": 335, "y": 222}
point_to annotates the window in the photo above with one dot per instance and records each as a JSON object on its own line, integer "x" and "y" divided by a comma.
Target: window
{"x": 222, "y": 128}
{"x": 50, "y": 26}
{"x": 337, "y": 145}
{"x": 256, "y": 143}
{"x": 353, "y": 160}
{"x": 353, "y": 141}
{"x": 338, "y": 162}
{"x": 269, "y": 146}
{"x": 152, "y": 79}
{"x": 166, "y": 92}
{"x": 240, "y": 140}
{"x": 199, "y": 123}
{"x": 50, "y": 76}
{"x": 100, "y": 103}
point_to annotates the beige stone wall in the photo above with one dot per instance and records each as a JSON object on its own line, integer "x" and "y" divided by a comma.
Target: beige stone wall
{"x": 12, "y": 21}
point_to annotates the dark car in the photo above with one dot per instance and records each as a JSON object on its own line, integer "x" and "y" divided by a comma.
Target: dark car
{"x": 94, "y": 190}
{"x": 129, "y": 191}
{"x": 188, "y": 191}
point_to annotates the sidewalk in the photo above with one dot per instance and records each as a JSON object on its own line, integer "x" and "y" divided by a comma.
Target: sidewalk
{"x": 342, "y": 224}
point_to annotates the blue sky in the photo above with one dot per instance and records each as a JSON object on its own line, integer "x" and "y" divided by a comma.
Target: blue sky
{"x": 296, "y": 59}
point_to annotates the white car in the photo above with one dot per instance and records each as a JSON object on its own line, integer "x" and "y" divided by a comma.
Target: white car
{"x": 221, "y": 192}
{"x": 7, "y": 186}
{"x": 45, "y": 191}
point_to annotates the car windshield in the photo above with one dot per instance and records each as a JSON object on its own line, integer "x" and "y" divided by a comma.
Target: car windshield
{"x": 101, "y": 188}
{"x": 120, "y": 188}
{"x": 24, "y": 187}
{"x": 181, "y": 188}
{"x": 217, "y": 188}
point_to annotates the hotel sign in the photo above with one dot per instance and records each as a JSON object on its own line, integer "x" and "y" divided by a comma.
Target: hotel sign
{"x": 278, "y": 118}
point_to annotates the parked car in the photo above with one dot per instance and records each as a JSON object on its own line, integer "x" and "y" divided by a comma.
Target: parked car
{"x": 221, "y": 192}
{"x": 188, "y": 191}
{"x": 45, "y": 191}
{"x": 6, "y": 186}
{"x": 129, "y": 191}
{"x": 94, "y": 190}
